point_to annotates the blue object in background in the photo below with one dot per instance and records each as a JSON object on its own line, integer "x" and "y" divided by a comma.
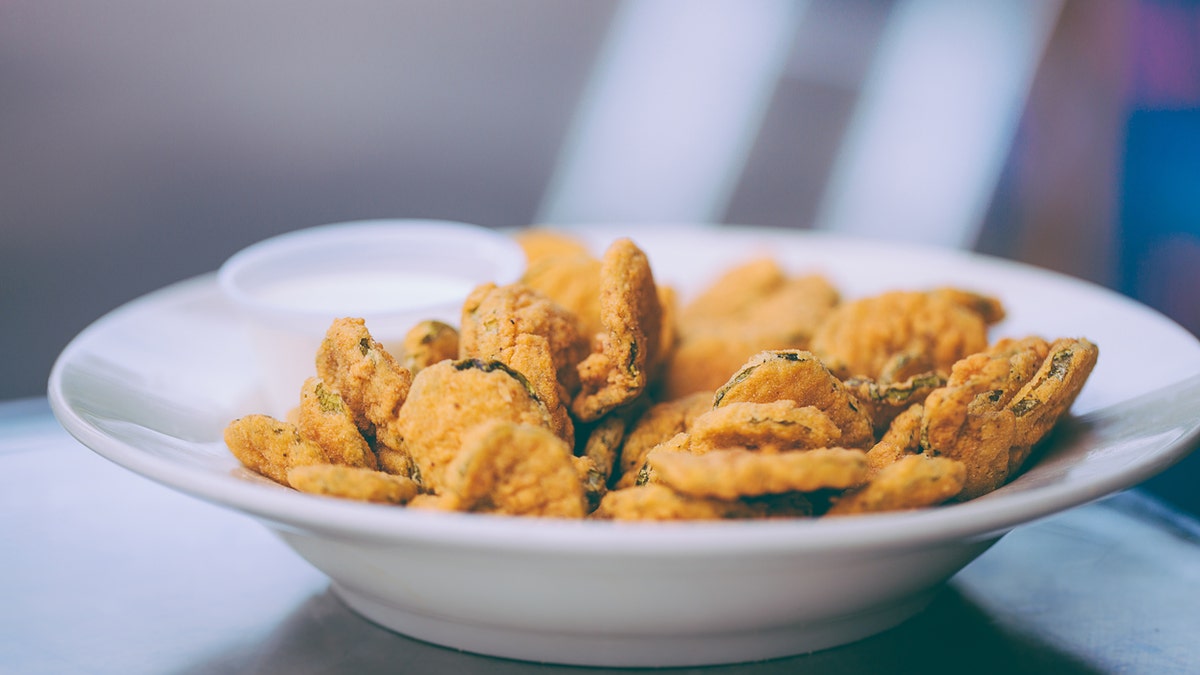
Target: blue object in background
{"x": 1160, "y": 212}
{"x": 1159, "y": 229}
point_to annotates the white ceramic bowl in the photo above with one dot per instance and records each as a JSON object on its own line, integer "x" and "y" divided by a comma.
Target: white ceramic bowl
{"x": 393, "y": 273}
{"x": 151, "y": 386}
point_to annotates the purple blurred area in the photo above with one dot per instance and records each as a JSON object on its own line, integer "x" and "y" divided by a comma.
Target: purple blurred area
{"x": 143, "y": 142}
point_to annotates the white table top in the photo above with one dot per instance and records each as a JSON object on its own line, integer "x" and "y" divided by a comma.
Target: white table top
{"x": 103, "y": 571}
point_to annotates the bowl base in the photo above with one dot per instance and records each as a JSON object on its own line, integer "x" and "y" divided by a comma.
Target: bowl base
{"x": 624, "y": 651}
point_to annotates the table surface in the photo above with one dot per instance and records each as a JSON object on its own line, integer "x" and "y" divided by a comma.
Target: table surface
{"x": 103, "y": 571}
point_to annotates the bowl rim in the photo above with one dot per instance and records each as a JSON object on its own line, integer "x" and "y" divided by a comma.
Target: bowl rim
{"x": 985, "y": 518}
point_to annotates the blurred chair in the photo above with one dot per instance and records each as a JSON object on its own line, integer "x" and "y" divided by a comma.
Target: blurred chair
{"x": 681, "y": 87}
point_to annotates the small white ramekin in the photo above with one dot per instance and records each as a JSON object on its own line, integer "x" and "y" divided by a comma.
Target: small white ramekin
{"x": 391, "y": 273}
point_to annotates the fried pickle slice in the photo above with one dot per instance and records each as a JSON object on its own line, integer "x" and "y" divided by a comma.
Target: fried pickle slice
{"x": 515, "y": 469}
{"x": 349, "y": 482}
{"x": 882, "y": 401}
{"x": 734, "y": 291}
{"x": 912, "y": 482}
{"x": 325, "y": 420}
{"x": 797, "y": 375}
{"x": 774, "y": 427}
{"x": 530, "y": 333}
{"x": 452, "y": 397}
{"x": 573, "y": 282}
{"x": 427, "y": 343}
{"x": 539, "y": 243}
{"x": 629, "y": 348}
{"x": 270, "y": 447}
{"x": 730, "y": 474}
{"x": 702, "y": 362}
{"x": 659, "y": 502}
{"x": 894, "y": 335}
{"x": 902, "y": 438}
{"x": 398, "y": 462}
{"x": 369, "y": 379}
{"x": 984, "y": 415}
{"x": 751, "y": 308}
{"x": 659, "y": 423}
{"x": 600, "y": 453}
{"x": 1050, "y": 393}
{"x": 760, "y": 298}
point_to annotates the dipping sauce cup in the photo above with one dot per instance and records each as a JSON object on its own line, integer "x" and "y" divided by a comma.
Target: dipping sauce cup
{"x": 391, "y": 273}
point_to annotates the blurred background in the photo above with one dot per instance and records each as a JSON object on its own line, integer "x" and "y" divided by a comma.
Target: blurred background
{"x": 143, "y": 142}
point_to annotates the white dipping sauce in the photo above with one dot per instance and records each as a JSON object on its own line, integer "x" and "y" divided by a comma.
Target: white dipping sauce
{"x": 364, "y": 292}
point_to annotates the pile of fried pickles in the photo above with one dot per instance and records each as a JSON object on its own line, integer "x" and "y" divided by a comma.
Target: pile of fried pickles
{"x": 586, "y": 390}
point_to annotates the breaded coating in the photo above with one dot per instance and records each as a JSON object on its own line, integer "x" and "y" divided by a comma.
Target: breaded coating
{"x": 515, "y": 469}
{"x": 1052, "y": 390}
{"x": 348, "y": 482}
{"x": 735, "y": 290}
{"x": 658, "y": 424}
{"x": 775, "y": 307}
{"x": 452, "y": 397}
{"x": 668, "y": 334}
{"x": 792, "y": 313}
{"x": 773, "y": 427}
{"x": 730, "y": 474}
{"x": 702, "y": 362}
{"x": 573, "y": 282}
{"x": 986, "y": 306}
{"x": 270, "y": 447}
{"x": 796, "y": 375}
{"x": 902, "y": 438}
{"x": 530, "y": 333}
{"x": 1049, "y": 395}
{"x": 427, "y": 343}
{"x": 882, "y": 401}
{"x": 369, "y": 379}
{"x": 913, "y": 482}
{"x": 600, "y": 454}
{"x": 398, "y": 462}
{"x": 629, "y": 350}
{"x": 325, "y": 420}
{"x": 542, "y": 242}
{"x": 894, "y": 335}
{"x": 659, "y": 502}
{"x": 985, "y": 415}
{"x": 749, "y": 309}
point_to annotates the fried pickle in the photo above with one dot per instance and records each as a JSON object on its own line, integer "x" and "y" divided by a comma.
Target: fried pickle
{"x": 902, "y": 438}
{"x": 325, "y": 420}
{"x": 882, "y": 401}
{"x": 913, "y": 482}
{"x": 659, "y": 502}
{"x": 799, "y": 376}
{"x": 773, "y": 427}
{"x": 348, "y": 482}
{"x": 427, "y": 343}
{"x": 600, "y": 454}
{"x": 369, "y": 379}
{"x": 450, "y": 398}
{"x": 515, "y": 469}
{"x": 530, "y": 333}
{"x": 630, "y": 310}
{"x": 894, "y": 335}
{"x": 270, "y": 447}
{"x": 659, "y": 423}
{"x": 985, "y": 414}
{"x": 539, "y": 243}
{"x": 750, "y": 308}
{"x": 729, "y": 474}
{"x": 573, "y": 282}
